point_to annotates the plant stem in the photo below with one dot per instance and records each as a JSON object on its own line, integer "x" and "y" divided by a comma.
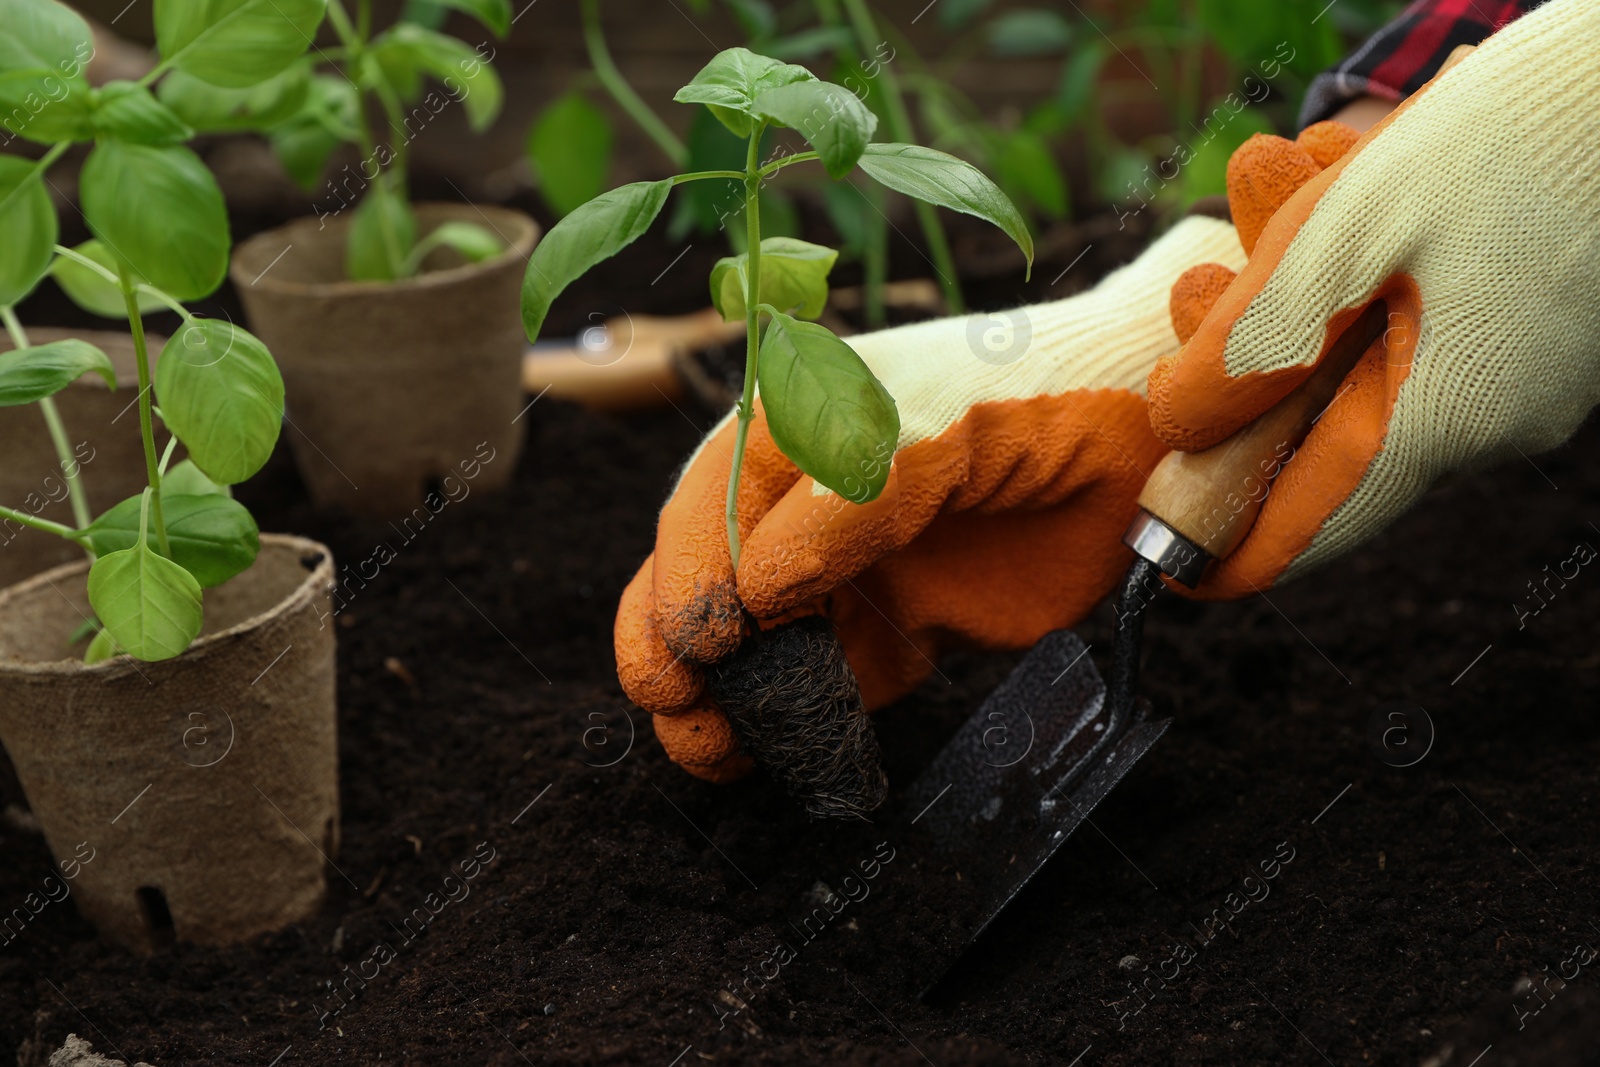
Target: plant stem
{"x": 606, "y": 69}
{"x": 60, "y": 530}
{"x": 875, "y": 257}
{"x": 900, "y": 129}
{"x": 787, "y": 161}
{"x": 57, "y": 428}
{"x": 752, "y": 321}
{"x": 146, "y": 430}
{"x": 355, "y": 44}
{"x": 702, "y": 175}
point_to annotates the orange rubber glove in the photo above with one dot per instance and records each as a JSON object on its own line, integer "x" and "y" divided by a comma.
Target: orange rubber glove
{"x": 1024, "y": 441}
{"x": 1471, "y": 211}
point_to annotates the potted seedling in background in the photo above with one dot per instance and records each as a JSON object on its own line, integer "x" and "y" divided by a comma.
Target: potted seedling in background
{"x": 394, "y": 323}
{"x": 825, "y": 408}
{"x": 179, "y": 604}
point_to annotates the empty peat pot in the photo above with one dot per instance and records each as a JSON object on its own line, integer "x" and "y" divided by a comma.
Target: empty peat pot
{"x": 103, "y": 435}
{"x": 796, "y": 708}
{"x": 196, "y": 798}
{"x": 392, "y": 386}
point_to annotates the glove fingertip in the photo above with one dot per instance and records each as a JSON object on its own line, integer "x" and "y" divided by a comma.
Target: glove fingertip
{"x": 1327, "y": 141}
{"x": 1262, "y": 175}
{"x": 702, "y": 742}
{"x": 651, "y": 675}
{"x": 1194, "y": 294}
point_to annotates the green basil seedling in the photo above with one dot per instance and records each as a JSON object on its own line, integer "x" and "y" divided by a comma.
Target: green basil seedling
{"x": 827, "y": 411}
{"x": 160, "y": 237}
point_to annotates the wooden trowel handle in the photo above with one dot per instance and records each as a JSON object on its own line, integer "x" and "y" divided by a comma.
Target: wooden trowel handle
{"x": 1212, "y": 497}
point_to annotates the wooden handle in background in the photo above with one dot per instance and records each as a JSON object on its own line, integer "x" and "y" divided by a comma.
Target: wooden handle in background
{"x": 1212, "y": 497}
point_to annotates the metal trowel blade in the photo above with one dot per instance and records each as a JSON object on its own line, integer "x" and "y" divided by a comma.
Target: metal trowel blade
{"x": 993, "y": 799}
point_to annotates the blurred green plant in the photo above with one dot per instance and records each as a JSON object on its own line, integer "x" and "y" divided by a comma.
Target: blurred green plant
{"x": 160, "y": 237}
{"x": 1161, "y": 54}
{"x": 307, "y": 111}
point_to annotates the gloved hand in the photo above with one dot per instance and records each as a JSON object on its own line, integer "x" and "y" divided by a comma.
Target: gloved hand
{"x": 1474, "y": 211}
{"x": 1024, "y": 440}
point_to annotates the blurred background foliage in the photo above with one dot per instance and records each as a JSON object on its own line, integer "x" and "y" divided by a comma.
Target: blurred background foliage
{"x": 1131, "y": 107}
{"x": 1216, "y": 71}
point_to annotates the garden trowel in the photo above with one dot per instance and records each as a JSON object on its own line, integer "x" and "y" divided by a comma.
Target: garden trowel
{"x": 1030, "y": 765}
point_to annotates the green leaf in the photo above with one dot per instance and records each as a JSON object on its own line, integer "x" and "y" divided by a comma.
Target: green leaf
{"x": 826, "y": 410}
{"x": 1079, "y": 76}
{"x": 957, "y": 14}
{"x": 729, "y": 84}
{"x": 405, "y": 51}
{"x": 570, "y": 149}
{"x": 706, "y": 204}
{"x": 212, "y": 536}
{"x": 305, "y": 140}
{"x": 235, "y": 43}
{"x": 1118, "y": 176}
{"x": 28, "y": 221}
{"x": 128, "y": 112}
{"x": 43, "y": 33}
{"x": 382, "y": 235}
{"x": 816, "y": 41}
{"x": 101, "y": 648}
{"x": 1025, "y": 163}
{"x": 150, "y": 605}
{"x": 1030, "y": 32}
{"x": 828, "y": 116}
{"x": 472, "y": 242}
{"x": 1254, "y": 34}
{"x": 90, "y": 290}
{"x": 38, "y": 104}
{"x": 756, "y": 17}
{"x": 159, "y": 210}
{"x": 494, "y": 14}
{"x": 185, "y": 479}
{"x": 29, "y": 374}
{"x": 851, "y": 215}
{"x": 213, "y": 109}
{"x": 794, "y": 275}
{"x": 598, "y": 230}
{"x": 221, "y": 394}
{"x": 948, "y": 182}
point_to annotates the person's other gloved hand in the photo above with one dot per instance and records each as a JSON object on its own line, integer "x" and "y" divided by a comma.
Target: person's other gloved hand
{"x": 1024, "y": 440}
{"x": 1474, "y": 211}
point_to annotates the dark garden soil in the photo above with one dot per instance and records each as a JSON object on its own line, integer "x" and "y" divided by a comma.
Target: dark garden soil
{"x": 479, "y": 704}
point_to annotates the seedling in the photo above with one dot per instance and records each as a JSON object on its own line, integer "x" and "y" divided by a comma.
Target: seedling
{"x": 788, "y": 692}
{"x": 307, "y": 115}
{"x": 160, "y": 237}
{"x": 826, "y": 409}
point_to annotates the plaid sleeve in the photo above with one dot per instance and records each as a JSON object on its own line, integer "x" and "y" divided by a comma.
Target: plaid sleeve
{"x": 1400, "y": 58}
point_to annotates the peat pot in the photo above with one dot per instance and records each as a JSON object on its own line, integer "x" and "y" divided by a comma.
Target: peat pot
{"x": 103, "y": 436}
{"x": 195, "y": 799}
{"x": 393, "y": 386}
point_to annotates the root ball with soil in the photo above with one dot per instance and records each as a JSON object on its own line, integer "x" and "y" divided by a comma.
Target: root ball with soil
{"x": 796, "y": 708}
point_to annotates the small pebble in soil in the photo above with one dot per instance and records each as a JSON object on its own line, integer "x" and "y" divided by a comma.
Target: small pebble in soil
{"x": 549, "y": 1009}
{"x": 1129, "y": 963}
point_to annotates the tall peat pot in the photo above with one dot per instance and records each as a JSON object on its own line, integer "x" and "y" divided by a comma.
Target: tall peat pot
{"x": 195, "y": 799}
{"x": 392, "y": 385}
